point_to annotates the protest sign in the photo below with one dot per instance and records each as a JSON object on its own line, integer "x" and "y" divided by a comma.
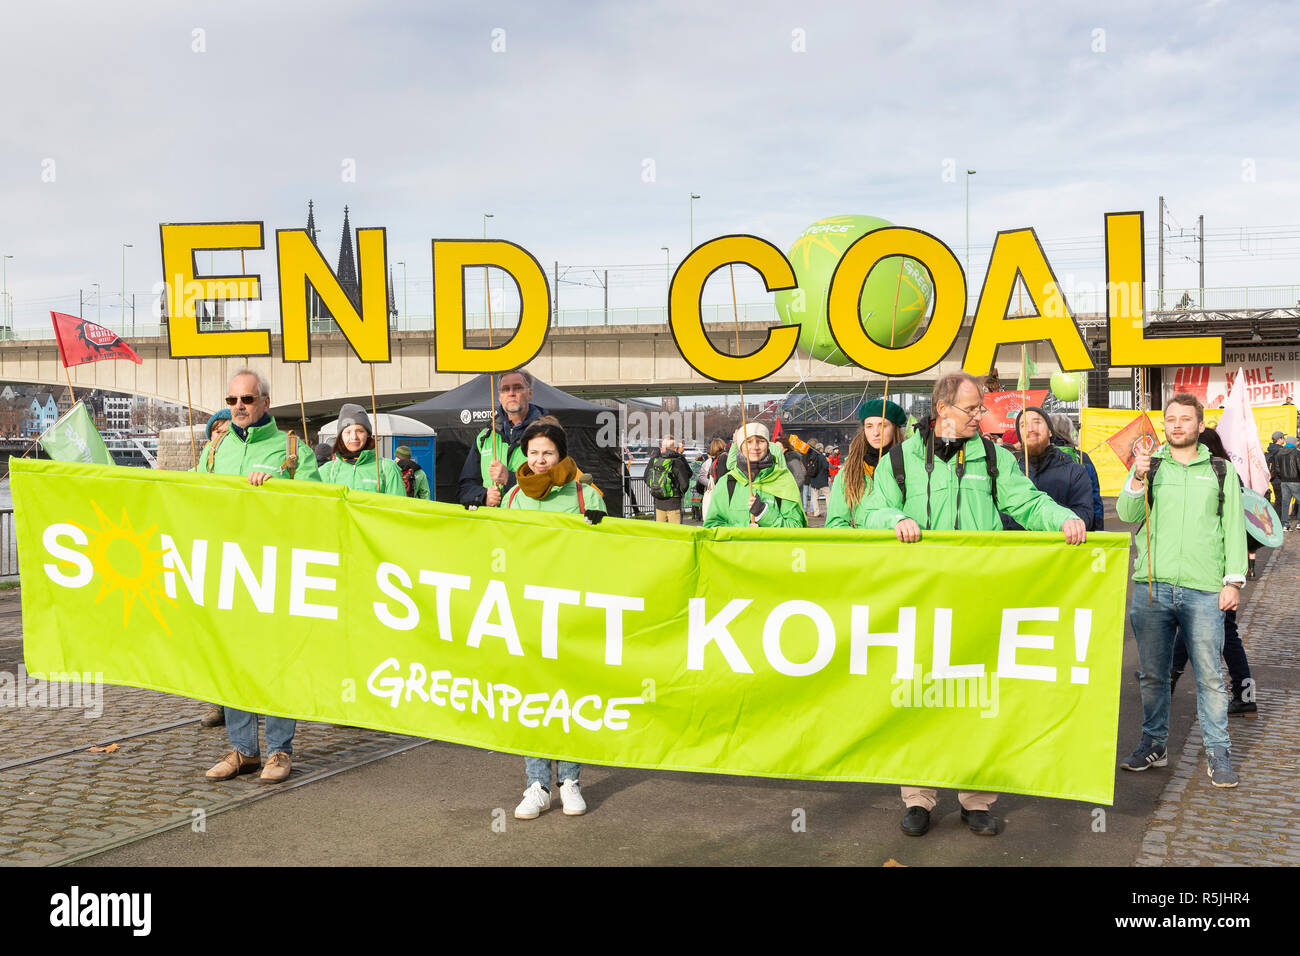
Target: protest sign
{"x": 632, "y": 644}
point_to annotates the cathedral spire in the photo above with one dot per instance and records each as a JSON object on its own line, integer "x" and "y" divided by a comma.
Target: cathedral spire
{"x": 347, "y": 270}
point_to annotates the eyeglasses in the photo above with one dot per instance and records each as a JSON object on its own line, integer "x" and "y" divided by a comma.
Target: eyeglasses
{"x": 971, "y": 413}
{"x": 241, "y": 399}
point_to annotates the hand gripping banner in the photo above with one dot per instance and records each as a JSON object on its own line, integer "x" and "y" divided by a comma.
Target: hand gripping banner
{"x": 797, "y": 653}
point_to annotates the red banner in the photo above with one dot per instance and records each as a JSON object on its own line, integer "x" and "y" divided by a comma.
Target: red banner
{"x": 1122, "y": 442}
{"x": 81, "y": 342}
{"x": 1003, "y": 407}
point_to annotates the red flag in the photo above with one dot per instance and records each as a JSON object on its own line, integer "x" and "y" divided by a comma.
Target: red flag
{"x": 81, "y": 342}
{"x": 776, "y": 431}
{"x": 1122, "y": 442}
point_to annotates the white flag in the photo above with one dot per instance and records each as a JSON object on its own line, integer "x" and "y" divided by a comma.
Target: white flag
{"x": 1241, "y": 437}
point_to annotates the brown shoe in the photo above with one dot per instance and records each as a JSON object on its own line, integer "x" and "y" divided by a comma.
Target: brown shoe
{"x": 214, "y": 716}
{"x": 277, "y": 769}
{"x": 232, "y": 765}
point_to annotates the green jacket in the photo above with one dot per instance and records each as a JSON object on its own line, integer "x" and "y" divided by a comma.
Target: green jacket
{"x": 1017, "y": 495}
{"x": 264, "y": 450}
{"x": 421, "y": 485}
{"x": 361, "y": 473}
{"x": 838, "y": 514}
{"x": 563, "y": 499}
{"x": 1194, "y": 548}
{"x": 774, "y": 486}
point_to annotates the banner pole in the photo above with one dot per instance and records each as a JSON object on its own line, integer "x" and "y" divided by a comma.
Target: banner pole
{"x": 893, "y": 332}
{"x": 492, "y": 386}
{"x": 1146, "y": 496}
{"x": 301, "y": 407}
{"x": 735, "y": 317}
{"x": 189, "y": 413}
{"x": 374, "y": 417}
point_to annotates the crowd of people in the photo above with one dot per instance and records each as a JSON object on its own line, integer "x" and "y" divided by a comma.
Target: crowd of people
{"x": 945, "y": 475}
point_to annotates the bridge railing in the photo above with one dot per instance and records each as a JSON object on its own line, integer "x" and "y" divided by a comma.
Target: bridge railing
{"x": 1081, "y": 302}
{"x": 8, "y": 544}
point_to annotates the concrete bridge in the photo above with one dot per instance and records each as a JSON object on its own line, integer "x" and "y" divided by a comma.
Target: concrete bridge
{"x": 599, "y": 361}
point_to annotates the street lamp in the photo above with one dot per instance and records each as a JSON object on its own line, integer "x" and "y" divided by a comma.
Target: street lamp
{"x": 125, "y": 246}
{"x": 486, "y": 217}
{"x": 404, "y": 312}
{"x": 668, "y": 277}
{"x": 694, "y": 196}
{"x": 969, "y": 174}
{"x": 4, "y": 277}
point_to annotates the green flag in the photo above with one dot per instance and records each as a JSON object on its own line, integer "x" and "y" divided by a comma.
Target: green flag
{"x": 1028, "y": 368}
{"x": 75, "y": 438}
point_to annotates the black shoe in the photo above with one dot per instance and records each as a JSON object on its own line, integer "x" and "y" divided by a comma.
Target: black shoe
{"x": 916, "y": 821}
{"x": 980, "y": 821}
{"x": 1242, "y": 708}
{"x": 1173, "y": 680}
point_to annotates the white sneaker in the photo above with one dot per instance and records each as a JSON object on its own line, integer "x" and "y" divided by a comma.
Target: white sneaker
{"x": 571, "y": 797}
{"x": 536, "y": 799}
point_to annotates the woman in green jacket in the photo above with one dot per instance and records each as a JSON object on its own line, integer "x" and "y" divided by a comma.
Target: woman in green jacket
{"x": 883, "y": 424}
{"x": 549, "y": 480}
{"x": 758, "y": 490}
{"x": 353, "y": 464}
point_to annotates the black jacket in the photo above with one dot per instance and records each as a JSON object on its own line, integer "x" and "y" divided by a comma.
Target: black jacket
{"x": 681, "y": 477}
{"x": 1286, "y": 465}
{"x": 1063, "y": 480}
{"x": 472, "y": 491}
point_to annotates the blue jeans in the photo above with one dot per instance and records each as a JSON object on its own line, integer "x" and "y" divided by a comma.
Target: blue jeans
{"x": 1197, "y": 614}
{"x": 539, "y": 770}
{"x": 241, "y": 726}
{"x": 1234, "y": 654}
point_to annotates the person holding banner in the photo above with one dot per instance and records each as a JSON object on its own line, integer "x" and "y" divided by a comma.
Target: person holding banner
{"x": 549, "y": 480}
{"x": 496, "y": 455}
{"x": 758, "y": 490}
{"x": 1197, "y": 531}
{"x": 355, "y": 451}
{"x": 882, "y": 425}
{"x": 256, "y": 448}
{"x": 946, "y": 477}
{"x": 218, "y": 425}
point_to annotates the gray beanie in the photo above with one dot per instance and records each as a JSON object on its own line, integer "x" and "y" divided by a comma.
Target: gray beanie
{"x": 354, "y": 415}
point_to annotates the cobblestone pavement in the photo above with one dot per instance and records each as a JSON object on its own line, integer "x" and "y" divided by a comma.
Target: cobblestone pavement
{"x": 56, "y": 805}
{"x": 1257, "y": 823}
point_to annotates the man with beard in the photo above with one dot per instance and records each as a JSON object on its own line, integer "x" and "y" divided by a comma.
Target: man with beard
{"x": 949, "y": 477}
{"x": 1050, "y": 469}
{"x": 1197, "y": 532}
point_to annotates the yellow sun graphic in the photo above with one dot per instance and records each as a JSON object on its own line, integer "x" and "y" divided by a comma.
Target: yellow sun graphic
{"x": 144, "y": 584}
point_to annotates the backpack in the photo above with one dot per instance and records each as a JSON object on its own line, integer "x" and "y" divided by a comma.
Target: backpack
{"x": 812, "y": 465}
{"x": 1220, "y": 469}
{"x": 408, "y": 481}
{"x": 990, "y": 465}
{"x": 662, "y": 480}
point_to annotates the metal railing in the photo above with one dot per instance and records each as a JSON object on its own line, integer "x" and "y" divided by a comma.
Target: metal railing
{"x": 8, "y": 544}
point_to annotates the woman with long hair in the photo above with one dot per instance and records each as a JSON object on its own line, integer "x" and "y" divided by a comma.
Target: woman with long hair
{"x": 883, "y": 424}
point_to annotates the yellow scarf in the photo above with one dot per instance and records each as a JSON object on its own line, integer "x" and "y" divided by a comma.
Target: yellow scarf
{"x": 538, "y": 487}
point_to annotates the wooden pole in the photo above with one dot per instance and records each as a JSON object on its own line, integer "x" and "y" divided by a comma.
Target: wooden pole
{"x": 189, "y": 412}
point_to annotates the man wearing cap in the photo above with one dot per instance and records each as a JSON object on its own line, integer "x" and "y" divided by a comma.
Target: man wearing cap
{"x": 255, "y": 447}
{"x": 494, "y": 457}
{"x": 413, "y": 476}
{"x": 955, "y": 479}
{"x": 882, "y": 425}
{"x": 1051, "y": 470}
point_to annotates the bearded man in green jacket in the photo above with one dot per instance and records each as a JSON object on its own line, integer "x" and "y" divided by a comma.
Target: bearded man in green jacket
{"x": 955, "y": 479}
{"x": 255, "y": 447}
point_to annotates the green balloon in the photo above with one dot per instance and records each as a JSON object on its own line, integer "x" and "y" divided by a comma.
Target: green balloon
{"x": 815, "y": 255}
{"x": 1065, "y": 386}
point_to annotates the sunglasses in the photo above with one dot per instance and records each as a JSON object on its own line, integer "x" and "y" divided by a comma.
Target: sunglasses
{"x": 241, "y": 399}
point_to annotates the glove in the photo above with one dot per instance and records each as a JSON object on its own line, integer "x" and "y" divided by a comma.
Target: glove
{"x": 593, "y": 516}
{"x": 758, "y": 507}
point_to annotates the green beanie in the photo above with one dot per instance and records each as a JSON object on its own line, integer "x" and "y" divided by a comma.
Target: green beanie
{"x": 882, "y": 408}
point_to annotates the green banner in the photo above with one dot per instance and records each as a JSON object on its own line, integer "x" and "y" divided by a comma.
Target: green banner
{"x": 74, "y": 437}
{"x": 979, "y": 661}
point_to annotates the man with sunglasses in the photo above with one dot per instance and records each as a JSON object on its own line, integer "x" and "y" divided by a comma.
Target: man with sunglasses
{"x": 946, "y": 477}
{"x": 253, "y": 446}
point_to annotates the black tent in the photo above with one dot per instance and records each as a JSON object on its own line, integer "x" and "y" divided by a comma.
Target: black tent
{"x": 460, "y": 414}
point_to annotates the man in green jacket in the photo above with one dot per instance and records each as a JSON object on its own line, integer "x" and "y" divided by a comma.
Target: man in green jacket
{"x": 1197, "y": 533}
{"x": 255, "y": 447}
{"x": 950, "y": 486}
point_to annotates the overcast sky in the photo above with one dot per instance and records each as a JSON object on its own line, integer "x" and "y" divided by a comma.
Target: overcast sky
{"x": 586, "y": 133}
